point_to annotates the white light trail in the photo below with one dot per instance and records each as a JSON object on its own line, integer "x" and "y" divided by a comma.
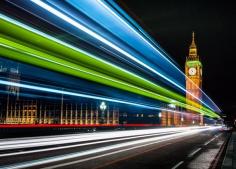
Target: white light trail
{"x": 76, "y": 145}
{"x": 100, "y": 38}
{"x": 74, "y": 48}
{"x": 77, "y": 49}
{"x": 47, "y": 141}
{"x": 153, "y": 47}
{"x": 123, "y": 146}
{"x": 57, "y": 91}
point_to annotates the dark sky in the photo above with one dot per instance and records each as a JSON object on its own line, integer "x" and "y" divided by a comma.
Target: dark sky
{"x": 170, "y": 23}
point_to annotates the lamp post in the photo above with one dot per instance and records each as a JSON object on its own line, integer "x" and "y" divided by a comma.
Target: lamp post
{"x": 172, "y": 106}
{"x": 182, "y": 120}
{"x": 103, "y": 107}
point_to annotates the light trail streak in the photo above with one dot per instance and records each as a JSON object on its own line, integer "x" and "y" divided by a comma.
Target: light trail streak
{"x": 124, "y": 146}
{"x": 57, "y": 140}
{"x": 75, "y": 94}
{"x": 83, "y": 56}
{"x": 38, "y": 88}
{"x": 75, "y": 67}
{"x": 107, "y": 42}
{"x": 164, "y": 99}
{"x": 77, "y": 145}
{"x": 93, "y": 34}
{"x": 96, "y": 64}
{"x": 161, "y": 54}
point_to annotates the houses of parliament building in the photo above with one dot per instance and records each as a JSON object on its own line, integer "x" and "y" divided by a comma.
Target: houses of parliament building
{"x": 16, "y": 109}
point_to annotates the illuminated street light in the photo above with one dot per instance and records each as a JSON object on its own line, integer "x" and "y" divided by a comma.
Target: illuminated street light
{"x": 182, "y": 120}
{"x": 103, "y": 107}
{"x": 172, "y": 106}
{"x": 159, "y": 115}
{"x": 193, "y": 122}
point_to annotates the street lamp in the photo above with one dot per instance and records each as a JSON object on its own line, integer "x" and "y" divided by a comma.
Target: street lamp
{"x": 193, "y": 122}
{"x": 159, "y": 115}
{"x": 182, "y": 120}
{"x": 103, "y": 107}
{"x": 172, "y": 106}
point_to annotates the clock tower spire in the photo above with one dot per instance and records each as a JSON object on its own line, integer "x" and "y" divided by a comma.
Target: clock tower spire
{"x": 193, "y": 49}
{"x": 193, "y": 72}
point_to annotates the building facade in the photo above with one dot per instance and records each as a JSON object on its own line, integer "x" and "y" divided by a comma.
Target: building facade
{"x": 18, "y": 109}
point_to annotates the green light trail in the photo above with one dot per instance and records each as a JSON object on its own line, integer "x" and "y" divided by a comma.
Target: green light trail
{"x": 43, "y": 52}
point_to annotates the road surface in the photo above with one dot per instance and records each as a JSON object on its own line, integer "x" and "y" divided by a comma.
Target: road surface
{"x": 183, "y": 147}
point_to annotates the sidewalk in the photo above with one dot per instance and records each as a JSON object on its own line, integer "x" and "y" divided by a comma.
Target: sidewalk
{"x": 230, "y": 156}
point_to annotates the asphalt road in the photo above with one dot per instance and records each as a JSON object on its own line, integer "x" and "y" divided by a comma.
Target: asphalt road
{"x": 135, "y": 149}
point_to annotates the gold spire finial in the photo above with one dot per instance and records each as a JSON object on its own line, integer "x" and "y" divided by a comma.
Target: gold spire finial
{"x": 193, "y": 47}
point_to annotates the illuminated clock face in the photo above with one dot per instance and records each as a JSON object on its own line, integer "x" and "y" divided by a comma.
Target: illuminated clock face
{"x": 192, "y": 71}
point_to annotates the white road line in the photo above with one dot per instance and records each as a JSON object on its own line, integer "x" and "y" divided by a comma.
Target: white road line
{"x": 193, "y": 153}
{"x": 177, "y": 165}
{"x": 212, "y": 139}
{"x": 209, "y": 141}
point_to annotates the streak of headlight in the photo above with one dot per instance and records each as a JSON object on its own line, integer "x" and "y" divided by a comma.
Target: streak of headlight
{"x": 68, "y": 45}
{"x": 38, "y": 88}
{"x": 93, "y": 136}
{"x": 58, "y": 41}
{"x": 93, "y": 34}
{"x": 72, "y": 67}
{"x": 38, "y": 144}
{"x": 161, "y": 54}
{"x": 143, "y": 142}
{"x": 101, "y": 77}
{"x": 90, "y": 137}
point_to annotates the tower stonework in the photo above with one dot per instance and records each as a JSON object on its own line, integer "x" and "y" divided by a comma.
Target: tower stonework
{"x": 193, "y": 72}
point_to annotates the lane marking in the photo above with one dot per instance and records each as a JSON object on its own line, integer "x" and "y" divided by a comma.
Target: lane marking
{"x": 177, "y": 165}
{"x": 193, "y": 153}
{"x": 209, "y": 141}
{"x": 212, "y": 139}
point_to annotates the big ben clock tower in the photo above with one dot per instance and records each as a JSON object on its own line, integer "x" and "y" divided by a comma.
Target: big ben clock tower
{"x": 193, "y": 72}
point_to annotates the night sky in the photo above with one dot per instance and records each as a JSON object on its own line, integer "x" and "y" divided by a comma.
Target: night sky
{"x": 171, "y": 23}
